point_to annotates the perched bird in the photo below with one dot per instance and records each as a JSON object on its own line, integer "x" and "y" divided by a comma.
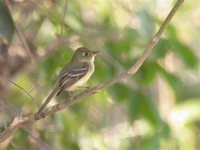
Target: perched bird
{"x": 73, "y": 75}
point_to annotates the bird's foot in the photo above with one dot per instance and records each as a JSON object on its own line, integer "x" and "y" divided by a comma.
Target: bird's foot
{"x": 70, "y": 96}
{"x": 37, "y": 116}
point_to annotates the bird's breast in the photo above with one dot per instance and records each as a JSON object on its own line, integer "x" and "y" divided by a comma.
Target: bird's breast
{"x": 83, "y": 80}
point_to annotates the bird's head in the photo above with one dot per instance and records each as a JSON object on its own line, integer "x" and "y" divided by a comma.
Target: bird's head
{"x": 84, "y": 54}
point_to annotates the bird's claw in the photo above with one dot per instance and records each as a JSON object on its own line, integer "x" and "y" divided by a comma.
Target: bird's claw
{"x": 37, "y": 116}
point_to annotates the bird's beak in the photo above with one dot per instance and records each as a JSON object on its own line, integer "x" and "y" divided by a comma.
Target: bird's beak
{"x": 96, "y": 52}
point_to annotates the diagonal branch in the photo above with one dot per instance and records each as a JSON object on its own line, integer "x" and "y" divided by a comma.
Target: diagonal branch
{"x": 21, "y": 121}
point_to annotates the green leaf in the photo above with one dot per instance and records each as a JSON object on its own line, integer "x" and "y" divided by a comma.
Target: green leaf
{"x": 150, "y": 143}
{"x": 148, "y": 109}
{"x": 147, "y": 72}
{"x": 153, "y": 141}
{"x": 189, "y": 58}
{"x": 121, "y": 92}
{"x": 161, "y": 48}
{"x": 125, "y": 43}
{"x": 142, "y": 105}
{"x": 184, "y": 51}
{"x": 138, "y": 103}
{"x": 172, "y": 79}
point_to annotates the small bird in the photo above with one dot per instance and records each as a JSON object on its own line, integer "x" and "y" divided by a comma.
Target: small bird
{"x": 73, "y": 75}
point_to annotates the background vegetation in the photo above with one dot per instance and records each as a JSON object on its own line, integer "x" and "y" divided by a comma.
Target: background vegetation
{"x": 156, "y": 109}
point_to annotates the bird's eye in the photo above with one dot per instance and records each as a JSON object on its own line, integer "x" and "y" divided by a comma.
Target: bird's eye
{"x": 86, "y": 54}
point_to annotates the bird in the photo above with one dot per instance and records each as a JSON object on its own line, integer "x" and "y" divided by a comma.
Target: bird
{"x": 74, "y": 74}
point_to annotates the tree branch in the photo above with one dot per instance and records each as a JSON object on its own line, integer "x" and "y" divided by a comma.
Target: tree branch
{"x": 18, "y": 122}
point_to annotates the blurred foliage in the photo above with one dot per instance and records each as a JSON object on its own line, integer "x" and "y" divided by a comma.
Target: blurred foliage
{"x": 156, "y": 109}
{"x": 6, "y": 27}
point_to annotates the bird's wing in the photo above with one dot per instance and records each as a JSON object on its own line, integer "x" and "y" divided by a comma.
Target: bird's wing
{"x": 68, "y": 78}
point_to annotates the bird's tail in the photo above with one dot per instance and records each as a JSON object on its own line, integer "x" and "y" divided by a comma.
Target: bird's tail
{"x": 51, "y": 95}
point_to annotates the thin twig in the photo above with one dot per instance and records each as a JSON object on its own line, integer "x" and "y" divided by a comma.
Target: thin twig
{"x": 63, "y": 18}
{"x": 21, "y": 121}
{"x": 34, "y": 100}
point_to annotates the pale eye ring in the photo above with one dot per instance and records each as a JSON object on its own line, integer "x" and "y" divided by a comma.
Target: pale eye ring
{"x": 86, "y": 54}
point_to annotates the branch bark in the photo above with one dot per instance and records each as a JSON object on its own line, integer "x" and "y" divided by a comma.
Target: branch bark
{"x": 18, "y": 122}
